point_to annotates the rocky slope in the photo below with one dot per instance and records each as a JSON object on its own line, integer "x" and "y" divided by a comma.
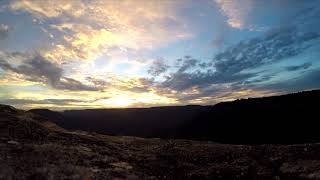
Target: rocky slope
{"x": 33, "y": 148}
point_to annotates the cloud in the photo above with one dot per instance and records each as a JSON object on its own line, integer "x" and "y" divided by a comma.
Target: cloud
{"x": 37, "y": 69}
{"x": 140, "y": 85}
{"x": 43, "y": 101}
{"x": 57, "y": 104}
{"x": 278, "y": 44}
{"x": 98, "y": 82}
{"x": 306, "y": 81}
{"x": 123, "y": 31}
{"x": 235, "y": 11}
{"x": 187, "y": 63}
{"x": 181, "y": 81}
{"x": 45, "y": 8}
{"x": 87, "y": 29}
{"x": 132, "y": 84}
{"x": 192, "y": 72}
{"x": 298, "y": 67}
{"x": 4, "y": 31}
{"x": 158, "y": 67}
{"x": 239, "y": 63}
{"x": 122, "y": 83}
{"x": 72, "y": 84}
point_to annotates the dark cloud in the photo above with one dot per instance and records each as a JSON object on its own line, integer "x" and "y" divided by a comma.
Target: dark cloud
{"x": 45, "y": 101}
{"x": 298, "y": 67}
{"x": 230, "y": 65}
{"x": 187, "y": 63}
{"x": 158, "y": 67}
{"x": 308, "y": 80}
{"x": 209, "y": 91}
{"x": 233, "y": 65}
{"x": 182, "y": 79}
{"x": 72, "y": 84}
{"x": 276, "y": 45}
{"x": 98, "y": 82}
{"x": 259, "y": 79}
{"x": 37, "y": 69}
{"x": 311, "y": 80}
{"x": 140, "y": 85}
{"x": 57, "y": 102}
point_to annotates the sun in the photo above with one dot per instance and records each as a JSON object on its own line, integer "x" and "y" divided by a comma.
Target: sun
{"x": 117, "y": 102}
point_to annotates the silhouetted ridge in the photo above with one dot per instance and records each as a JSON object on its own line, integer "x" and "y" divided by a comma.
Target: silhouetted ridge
{"x": 18, "y": 124}
{"x": 143, "y": 122}
{"x": 291, "y": 118}
{"x": 54, "y": 116}
{"x": 8, "y": 109}
{"x": 33, "y": 148}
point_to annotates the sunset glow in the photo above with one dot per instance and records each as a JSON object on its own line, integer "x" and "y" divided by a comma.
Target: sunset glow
{"x": 139, "y": 53}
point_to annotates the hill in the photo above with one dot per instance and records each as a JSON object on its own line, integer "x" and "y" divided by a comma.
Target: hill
{"x": 291, "y": 118}
{"x": 31, "y": 147}
{"x": 283, "y": 119}
{"x": 142, "y": 122}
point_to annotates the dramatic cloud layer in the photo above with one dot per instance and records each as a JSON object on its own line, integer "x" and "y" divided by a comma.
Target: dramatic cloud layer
{"x": 95, "y": 54}
{"x": 230, "y": 65}
{"x": 38, "y": 69}
{"x": 241, "y": 66}
{"x": 90, "y": 29}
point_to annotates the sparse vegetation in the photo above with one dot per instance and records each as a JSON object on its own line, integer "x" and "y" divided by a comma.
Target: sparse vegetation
{"x": 37, "y": 149}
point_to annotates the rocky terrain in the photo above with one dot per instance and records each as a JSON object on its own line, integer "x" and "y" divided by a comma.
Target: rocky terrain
{"x": 33, "y": 148}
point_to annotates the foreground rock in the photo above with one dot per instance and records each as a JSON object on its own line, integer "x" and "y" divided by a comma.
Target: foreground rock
{"x": 33, "y": 148}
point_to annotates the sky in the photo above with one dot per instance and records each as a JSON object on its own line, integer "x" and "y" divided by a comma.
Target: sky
{"x": 82, "y": 54}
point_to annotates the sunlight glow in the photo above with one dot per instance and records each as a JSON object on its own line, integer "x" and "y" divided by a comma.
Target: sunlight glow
{"x": 141, "y": 53}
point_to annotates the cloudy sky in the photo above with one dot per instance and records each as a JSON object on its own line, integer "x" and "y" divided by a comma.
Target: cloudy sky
{"x": 141, "y": 53}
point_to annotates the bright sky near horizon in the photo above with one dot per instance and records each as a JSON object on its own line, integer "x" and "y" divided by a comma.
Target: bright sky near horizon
{"x": 138, "y": 53}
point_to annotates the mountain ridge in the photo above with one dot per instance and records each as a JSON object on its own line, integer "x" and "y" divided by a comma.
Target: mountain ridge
{"x": 32, "y": 147}
{"x": 251, "y": 119}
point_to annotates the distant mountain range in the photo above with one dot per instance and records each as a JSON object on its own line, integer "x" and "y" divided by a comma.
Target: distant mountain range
{"x": 291, "y": 118}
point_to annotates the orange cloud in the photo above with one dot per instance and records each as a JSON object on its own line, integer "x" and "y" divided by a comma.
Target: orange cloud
{"x": 88, "y": 29}
{"x": 236, "y": 11}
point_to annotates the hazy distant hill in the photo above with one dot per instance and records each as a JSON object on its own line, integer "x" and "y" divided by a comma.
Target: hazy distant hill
{"x": 289, "y": 118}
